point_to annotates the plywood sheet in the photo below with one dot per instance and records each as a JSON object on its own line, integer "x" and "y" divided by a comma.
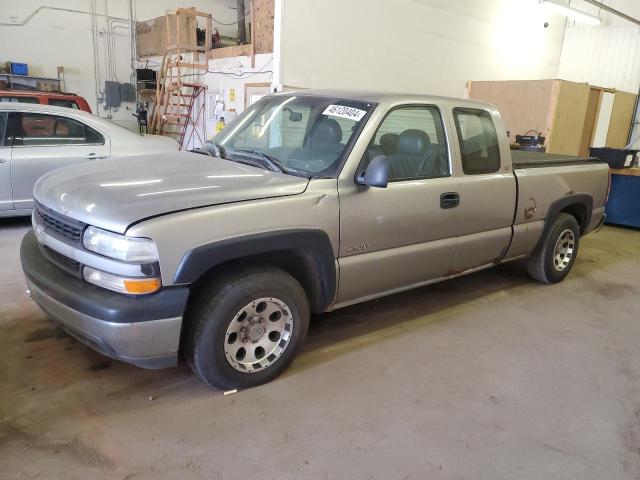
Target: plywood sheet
{"x": 523, "y": 104}
{"x": 231, "y": 51}
{"x": 633, "y": 171}
{"x": 569, "y": 107}
{"x": 621, "y": 119}
{"x": 263, "y": 16}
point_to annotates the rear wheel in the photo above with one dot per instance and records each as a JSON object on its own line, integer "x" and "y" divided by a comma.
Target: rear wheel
{"x": 245, "y": 328}
{"x": 554, "y": 257}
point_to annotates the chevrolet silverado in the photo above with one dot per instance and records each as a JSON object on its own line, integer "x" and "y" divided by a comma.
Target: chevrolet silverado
{"x": 307, "y": 202}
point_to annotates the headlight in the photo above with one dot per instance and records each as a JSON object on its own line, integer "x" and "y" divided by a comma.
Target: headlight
{"x": 119, "y": 247}
{"x": 131, "y": 286}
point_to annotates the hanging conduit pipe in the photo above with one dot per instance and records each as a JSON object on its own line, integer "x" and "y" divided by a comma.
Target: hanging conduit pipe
{"x": 613, "y": 11}
{"x": 29, "y": 17}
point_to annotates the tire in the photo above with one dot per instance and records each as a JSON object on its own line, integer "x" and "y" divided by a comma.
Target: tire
{"x": 555, "y": 255}
{"x": 228, "y": 317}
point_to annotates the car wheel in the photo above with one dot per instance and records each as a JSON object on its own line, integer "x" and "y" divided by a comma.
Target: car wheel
{"x": 555, "y": 255}
{"x": 246, "y": 328}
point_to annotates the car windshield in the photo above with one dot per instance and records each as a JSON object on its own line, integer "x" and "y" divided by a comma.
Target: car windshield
{"x": 303, "y": 135}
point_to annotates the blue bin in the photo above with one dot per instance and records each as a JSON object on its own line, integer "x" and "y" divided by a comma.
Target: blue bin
{"x": 19, "y": 68}
{"x": 623, "y": 207}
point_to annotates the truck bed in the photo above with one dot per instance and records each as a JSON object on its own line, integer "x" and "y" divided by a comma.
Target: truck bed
{"x": 526, "y": 159}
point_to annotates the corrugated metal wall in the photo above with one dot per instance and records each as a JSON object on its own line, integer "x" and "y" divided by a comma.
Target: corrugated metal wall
{"x": 607, "y": 55}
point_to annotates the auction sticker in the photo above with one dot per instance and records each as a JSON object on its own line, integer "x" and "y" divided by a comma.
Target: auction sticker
{"x": 344, "y": 112}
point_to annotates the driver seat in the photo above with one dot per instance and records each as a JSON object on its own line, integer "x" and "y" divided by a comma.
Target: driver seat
{"x": 325, "y": 138}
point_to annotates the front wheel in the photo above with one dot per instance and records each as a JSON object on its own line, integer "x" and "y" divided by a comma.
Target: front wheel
{"x": 246, "y": 328}
{"x": 555, "y": 255}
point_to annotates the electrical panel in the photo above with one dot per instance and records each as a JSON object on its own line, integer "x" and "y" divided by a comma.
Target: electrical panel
{"x": 112, "y": 94}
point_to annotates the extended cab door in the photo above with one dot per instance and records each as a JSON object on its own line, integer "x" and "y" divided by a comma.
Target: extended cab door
{"x": 6, "y": 202}
{"x": 487, "y": 188}
{"x": 44, "y": 142}
{"x": 405, "y": 234}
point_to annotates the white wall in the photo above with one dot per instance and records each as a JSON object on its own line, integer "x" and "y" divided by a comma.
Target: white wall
{"x": 425, "y": 46}
{"x": 55, "y": 38}
{"x": 607, "y": 55}
{"x": 230, "y": 74}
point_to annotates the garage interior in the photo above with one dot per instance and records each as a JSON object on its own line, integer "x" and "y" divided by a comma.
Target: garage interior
{"x": 487, "y": 376}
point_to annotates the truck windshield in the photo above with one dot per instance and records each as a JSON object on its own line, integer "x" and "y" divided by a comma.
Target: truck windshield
{"x": 304, "y": 135}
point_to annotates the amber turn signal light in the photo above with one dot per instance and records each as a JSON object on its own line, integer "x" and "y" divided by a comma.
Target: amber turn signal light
{"x": 138, "y": 287}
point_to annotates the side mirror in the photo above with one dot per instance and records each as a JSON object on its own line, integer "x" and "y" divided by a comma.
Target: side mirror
{"x": 376, "y": 174}
{"x": 210, "y": 148}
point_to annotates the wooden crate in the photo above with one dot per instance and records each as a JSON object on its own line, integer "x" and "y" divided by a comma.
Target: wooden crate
{"x": 152, "y": 38}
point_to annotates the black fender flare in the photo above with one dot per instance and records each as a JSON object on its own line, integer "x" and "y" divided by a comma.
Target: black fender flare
{"x": 312, "y": 247}
{"x": 556, "y": 207}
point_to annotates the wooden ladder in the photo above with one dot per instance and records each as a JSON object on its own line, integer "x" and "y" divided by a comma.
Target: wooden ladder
{"x": 179, "y": 106}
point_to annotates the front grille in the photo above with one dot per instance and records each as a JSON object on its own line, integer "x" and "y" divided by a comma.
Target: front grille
{"x": 58, "y": 224}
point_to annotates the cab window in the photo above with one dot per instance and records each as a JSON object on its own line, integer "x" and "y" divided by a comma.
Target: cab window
{"x": 413, "y": 139}
{"x": 479, "y": 146}
{"x": 36, "y": 129}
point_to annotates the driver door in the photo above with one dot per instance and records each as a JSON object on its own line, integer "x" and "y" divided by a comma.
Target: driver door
{"x": 403, "y": 235}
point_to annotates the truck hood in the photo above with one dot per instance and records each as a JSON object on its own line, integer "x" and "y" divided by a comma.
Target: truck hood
{"x": 114, "y": 193}
{"x": 143, "y": 145}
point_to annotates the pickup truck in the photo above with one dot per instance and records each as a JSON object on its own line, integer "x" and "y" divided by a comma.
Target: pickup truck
{"x": 307, "y": 202}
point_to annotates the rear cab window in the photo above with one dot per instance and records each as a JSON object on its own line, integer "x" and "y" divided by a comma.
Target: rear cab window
{"x": 479, "y": 145}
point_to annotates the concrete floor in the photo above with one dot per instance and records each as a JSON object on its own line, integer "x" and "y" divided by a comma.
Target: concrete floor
{"x": 491, "y": 376}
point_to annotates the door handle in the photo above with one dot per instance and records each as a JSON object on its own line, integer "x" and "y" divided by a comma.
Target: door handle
{"x": 2, "y": 160}
{"x": 94, "y": 156}
{"x": 449, "y": 200}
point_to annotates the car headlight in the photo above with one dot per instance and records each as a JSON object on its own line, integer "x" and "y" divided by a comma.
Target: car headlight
{"x": 120, "y": 247}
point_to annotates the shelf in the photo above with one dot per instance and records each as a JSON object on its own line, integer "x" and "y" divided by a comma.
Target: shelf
{"x": 29, "y": 77}
{"x": 32, "y": 83}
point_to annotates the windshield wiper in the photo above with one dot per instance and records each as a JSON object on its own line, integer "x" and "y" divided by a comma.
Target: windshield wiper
{"x": 211, "y": 148}
{"x": 271, "y": 162}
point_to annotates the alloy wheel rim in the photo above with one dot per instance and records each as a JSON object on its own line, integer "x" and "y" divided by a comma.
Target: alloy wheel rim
{"x": 258, "y": 334}
{"x": 564, "y": 250}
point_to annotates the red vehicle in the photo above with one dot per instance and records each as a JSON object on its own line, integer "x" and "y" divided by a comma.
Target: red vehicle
{"x": 68, "y": 100}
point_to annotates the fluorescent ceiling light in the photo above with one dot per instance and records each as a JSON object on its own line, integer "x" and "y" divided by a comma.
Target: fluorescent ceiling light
{"x": 573, "y": 13}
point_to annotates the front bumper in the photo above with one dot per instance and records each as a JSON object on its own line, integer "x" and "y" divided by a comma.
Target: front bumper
{"x": 144, "y": 331}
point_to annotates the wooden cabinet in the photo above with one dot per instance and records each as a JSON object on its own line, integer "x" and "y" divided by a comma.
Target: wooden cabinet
{"x": 571, "y": 116}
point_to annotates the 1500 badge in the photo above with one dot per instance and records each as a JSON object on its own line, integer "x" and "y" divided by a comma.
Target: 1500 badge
{"x": 358, "y": 248}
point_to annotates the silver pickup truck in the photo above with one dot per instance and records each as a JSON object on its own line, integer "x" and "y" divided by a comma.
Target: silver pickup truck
{"x": 307, "y": 202}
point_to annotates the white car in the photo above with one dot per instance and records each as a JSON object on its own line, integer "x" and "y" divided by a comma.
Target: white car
{"x": 35, "y": 139}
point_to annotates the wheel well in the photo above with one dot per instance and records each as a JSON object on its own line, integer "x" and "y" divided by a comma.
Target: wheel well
{"x": 300, "y": 264}
{"x": 579, "y": 212}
